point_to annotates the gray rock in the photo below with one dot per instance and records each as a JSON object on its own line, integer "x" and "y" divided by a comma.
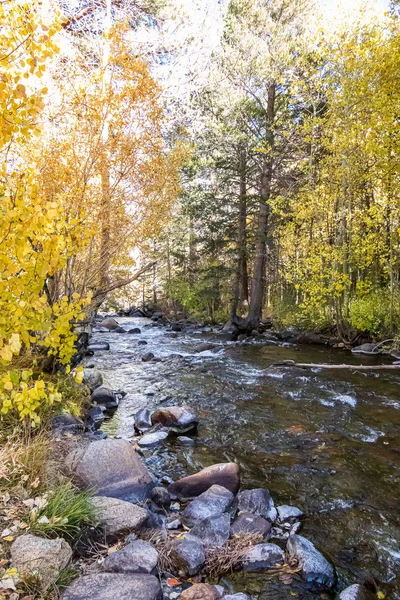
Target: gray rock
{"x": 113, "y": 586}
{"x": 213, "y": 531}
{"x": 66, "y": 423}
{"x": 185, "y": 441}
{"x": 288, "y": 514}
{"x": 147, "y": 357}
{"x": 31, "y": 554}
{"x": 97, "y": 347}
{"x": 258, "y": 502}
{"x": 176, "y": 418}
{"x": 215, "y": 501}
{"x": 104, "y": 396}
{"x": 160, "y": 496}
{"x": 315, "y": 567}
{"x": 117, "y": 516}
{"x": 222, "y": 474}
{"x": 143, "y": 420}
{"x": 155, "y": 521}
{"x": 249, "y": 523}
{"x": 238, "y": 596}
{"x": 263, "y": 556}
{"x": 356, "y": 592}
{"x": 93, "y": 378}
{"x": 152, "y": 439}
{"x": 95, "y": 418}
{"x": 189, "y": 555}
{"x": 366, "y": 349}
{"x": 142, "y": 343}
{"x": 174, "y": 524}
{"x": 134, "y": 330}
{"x": 109, "y": 323}
{"x": 137, "y": 557}
{"x": 110, "y": 468}
{"x": 120, "y": 330}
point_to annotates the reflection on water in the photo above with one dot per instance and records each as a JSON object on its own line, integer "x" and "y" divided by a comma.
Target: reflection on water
{"x": 325, "y": 441}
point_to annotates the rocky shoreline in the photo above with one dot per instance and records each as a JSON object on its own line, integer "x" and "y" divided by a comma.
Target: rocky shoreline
{"x": 163, "y": 538}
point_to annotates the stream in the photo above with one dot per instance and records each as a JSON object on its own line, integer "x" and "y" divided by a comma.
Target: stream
{"x": 324, "y": 441}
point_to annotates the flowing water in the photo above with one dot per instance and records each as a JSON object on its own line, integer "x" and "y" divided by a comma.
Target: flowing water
{"x": 324, "y": 441}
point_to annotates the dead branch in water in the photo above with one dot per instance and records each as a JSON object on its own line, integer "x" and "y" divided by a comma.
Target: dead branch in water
{"x": 291, "y": 363}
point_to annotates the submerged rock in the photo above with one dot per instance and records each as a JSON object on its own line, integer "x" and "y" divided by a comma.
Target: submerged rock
{"x": 137, "y": 557}
{"x": 356, "y": 592}
{"x": 152, "y": 439}
{"x": 249, "y": 523}
{"x": 31, "y": 554}
{"x": 257, "y": 502}
{"x": 176, "y": 418}
{"x": 263, "y": 556}
{"x": 117, "y": 516}
{"x": 110, "y": 586}
{"x": 213, "y": 531}
{"x": 189, "y": 555}
{"x": 110, "y": 468}
{"x": 315, "y": 567}
{"x": 213, "y": 502}
{"x": 222, "y": 474}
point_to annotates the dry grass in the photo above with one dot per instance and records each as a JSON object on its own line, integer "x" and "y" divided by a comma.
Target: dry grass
{"x": 23, "y": 462}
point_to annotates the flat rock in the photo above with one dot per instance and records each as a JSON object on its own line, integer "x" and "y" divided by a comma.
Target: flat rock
{"x": 152, "y": 439}
{"x": 97, "y": 347}
{"x": 314, "y": 565}
{"x": 213, "y": 502}
{"x": 137, "y": 557}
{"x": 201, "y": 591}
{"x": 117, "y": 516}
{"x": 33, "y": 554}
{"x": 176, "y": 418}
{"x": 92, "y": 378}
{"x": 288, "y": 514}
{"x": 110, "y": 468}
{"x": 189, "y": 555}
{"x": 356, "y": 592}
{"x": 258, "y": 502}
{"x": 113, "y": 586}
{"x": 143, "y": 420}
{"x": 223, "y": 474}
{"x": 263, "y": 556}
{"x": 109, "y": 323}
{"x": 213, "y": 531}
{"x": 249, "y": 523}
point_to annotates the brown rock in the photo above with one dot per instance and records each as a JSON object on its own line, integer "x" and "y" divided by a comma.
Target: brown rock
{"x": 224, "y": 474}
{"x": 175, "y": 418}
{"x": 201, "y": 591}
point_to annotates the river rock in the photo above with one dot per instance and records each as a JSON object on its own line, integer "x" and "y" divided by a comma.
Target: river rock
{"x": 33, "y": 554}
{"x": 175, "y": 418}
{"x": 315, "y": 567}
{"x": 97, "y": 347}
{"x": 142, "y": 343}
{"x": 104, "y": 396}
{"x": 161, "y": 497}
{"x": 205, "y": 347}
{"x": 143, "y": 420}
{"x": 117, "y": 516}
{"x": 152, "y": 439}
{"x": 147, "y": 357}
{"x": 258, "y": 502}
{"x": 263, "y": 556}
{"x": 185, "y": 441}
{"x": 67, "y": 424}
{"x": 222, "y": 474}
{"x": 201, "y": 591}
{"x": 188, "y": 554}
{"x": 134, "y": 330}
{"x": 213, "y": 502}
{"x": 109, "y": 323}
{"x": 92, "y": 378}
{"x": 137, "y": 557}
{"x": 366, "y": 349}
{"x": 249, "y": 523}
{"x": 213, "y": 531}
{"x": 112, "y": 586}
{"x": 288, "y": 514}
{"x": 238, "y": 596}
{"x": 95, "y": 417}
{"x": 120, "y": 330}
{"x": 356, "y": 592}
{"x": 110, "y": 468}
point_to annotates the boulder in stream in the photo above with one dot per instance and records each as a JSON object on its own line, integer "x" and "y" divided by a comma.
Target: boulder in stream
{"x": 109, "y": 323}
{"x": 111, "y": 468}
{"x": 315, "y": 567}
{"x": 249, "y": 523}
{"x": 222, "y": 474}
{"x": 263, "y": 556}
{"x": 176, "y": 418}
{"x": 98, "y": 346}
{"x": 134, "y": 330}
{"x": 213, "y": 502}
{"x": 147, "y": 357}
{"x": 92, "y": 378}
{"x": 137, "y": 557}
{"x": 110, "y": 586}
{"x": 356, "y": 592}
{"x": 143, "y": 420}
{"x": 105, "y": 397}
{"x": 257, "y": 502}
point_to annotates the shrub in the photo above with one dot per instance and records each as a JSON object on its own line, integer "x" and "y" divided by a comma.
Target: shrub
{"x": 376, "y": 313}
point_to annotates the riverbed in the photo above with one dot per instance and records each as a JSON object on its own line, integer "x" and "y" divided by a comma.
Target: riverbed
{"x": 324, "y": 441}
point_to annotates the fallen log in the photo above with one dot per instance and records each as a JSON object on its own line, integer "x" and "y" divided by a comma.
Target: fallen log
{"x": 292, "y": 363}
